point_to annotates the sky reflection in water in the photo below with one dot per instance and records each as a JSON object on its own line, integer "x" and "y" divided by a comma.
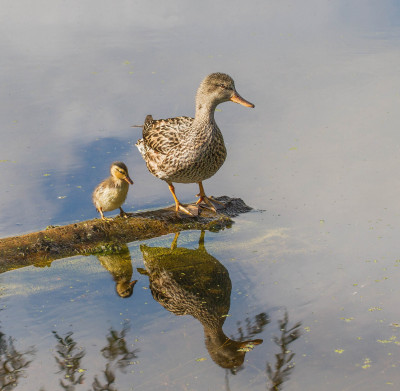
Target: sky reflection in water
{"x": 71, "y": 315}
{"x": 319, "y": 153}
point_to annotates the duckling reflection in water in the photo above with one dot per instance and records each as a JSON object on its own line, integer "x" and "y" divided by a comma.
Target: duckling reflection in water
{"x": 192, "y": 282}
{"x": 119, "y": 264}
{"x": 111, "y": 193}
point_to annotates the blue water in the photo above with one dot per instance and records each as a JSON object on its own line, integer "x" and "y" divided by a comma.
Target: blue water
{"x": 317, "y": 158}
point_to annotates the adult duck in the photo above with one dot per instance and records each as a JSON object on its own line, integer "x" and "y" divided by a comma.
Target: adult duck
{"x": 190, "y": 150}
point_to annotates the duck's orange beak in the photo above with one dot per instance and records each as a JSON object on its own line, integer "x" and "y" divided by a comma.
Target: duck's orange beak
{"x": 250, "y": 342}
{"x": 129, "y": 180}
{"x": 238, "y": 99}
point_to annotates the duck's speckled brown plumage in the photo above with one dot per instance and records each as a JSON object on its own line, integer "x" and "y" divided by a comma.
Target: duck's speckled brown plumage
{"x": 192, "y": 282}
{"x": 185, "y": 149}
{"x": 177, "y": 152}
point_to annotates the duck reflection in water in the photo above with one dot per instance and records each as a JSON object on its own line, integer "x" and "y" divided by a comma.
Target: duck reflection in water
{"x": 192, "y": 282}
{"x": 118, "y": 262}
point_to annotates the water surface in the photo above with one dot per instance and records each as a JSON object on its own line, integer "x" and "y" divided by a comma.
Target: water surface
{"x": 319, "y": 155}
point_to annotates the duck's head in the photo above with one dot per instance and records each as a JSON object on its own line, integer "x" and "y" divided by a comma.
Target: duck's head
{"x": 120, "y": 171}
{"x": 228, "y": 353}
{"x": 217, "y": 88}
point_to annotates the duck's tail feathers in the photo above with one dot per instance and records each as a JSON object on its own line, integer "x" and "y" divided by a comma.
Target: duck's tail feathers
{"x": 147, "y": 121}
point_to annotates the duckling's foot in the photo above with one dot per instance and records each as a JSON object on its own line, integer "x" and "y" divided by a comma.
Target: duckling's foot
{"x": 106, "y": 219}
{"x": 124, "y": 214}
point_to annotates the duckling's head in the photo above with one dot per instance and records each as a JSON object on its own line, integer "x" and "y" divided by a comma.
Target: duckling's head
{"x": 120, "y": 171}
{"x": 125, "y": 288}
{"x": 217, "y": 88}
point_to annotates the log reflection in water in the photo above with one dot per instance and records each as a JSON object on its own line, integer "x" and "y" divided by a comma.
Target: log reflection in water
{"x": 193, "y": 282}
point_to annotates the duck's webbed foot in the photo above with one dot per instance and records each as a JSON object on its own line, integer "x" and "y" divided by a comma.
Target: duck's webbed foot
{"x": 190, "y": 210}
{"x": 209, "y": 202}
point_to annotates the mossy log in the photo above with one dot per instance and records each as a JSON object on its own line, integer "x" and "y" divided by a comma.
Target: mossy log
{"x": 96, "y": 236}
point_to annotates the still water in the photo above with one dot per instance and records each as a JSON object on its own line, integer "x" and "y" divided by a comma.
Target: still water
{"x": 313, "y": 271}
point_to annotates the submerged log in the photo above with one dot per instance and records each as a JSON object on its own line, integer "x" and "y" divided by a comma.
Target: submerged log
{"x": 96, "y": 236}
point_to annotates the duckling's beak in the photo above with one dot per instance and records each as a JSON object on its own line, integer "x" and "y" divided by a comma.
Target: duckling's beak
{"x": 129, "y": 180}
{"x": 238, "y": 99}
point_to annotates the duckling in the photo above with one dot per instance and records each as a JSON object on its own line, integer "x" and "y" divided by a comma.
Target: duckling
{"x": 190, "y": 150}
{"x": 119, "y": 263}
{"x": 111, "y": 193}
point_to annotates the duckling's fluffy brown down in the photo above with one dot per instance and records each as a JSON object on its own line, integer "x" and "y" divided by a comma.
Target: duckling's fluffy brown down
{"x": 111, "y": 193}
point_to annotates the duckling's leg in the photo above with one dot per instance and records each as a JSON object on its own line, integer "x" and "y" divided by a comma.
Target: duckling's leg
{"x": 122, "y": 213}
{"x": 102, "y": 215}
{"x": 207, "y": 200}
{"x": 178, "y": 205}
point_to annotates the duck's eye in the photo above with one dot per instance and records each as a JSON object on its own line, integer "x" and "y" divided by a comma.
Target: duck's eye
{"x": 222, "y": 86}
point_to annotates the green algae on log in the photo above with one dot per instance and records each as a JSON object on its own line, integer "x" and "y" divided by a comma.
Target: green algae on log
{"x": 95, "y": 236}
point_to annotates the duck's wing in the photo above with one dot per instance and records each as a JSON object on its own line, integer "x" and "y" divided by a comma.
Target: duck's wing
{"x": 164, "y": 134}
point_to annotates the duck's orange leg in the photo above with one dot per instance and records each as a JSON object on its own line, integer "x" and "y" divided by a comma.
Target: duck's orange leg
{"x": 178, "y": 205}
{"x": 207, "y": 200}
